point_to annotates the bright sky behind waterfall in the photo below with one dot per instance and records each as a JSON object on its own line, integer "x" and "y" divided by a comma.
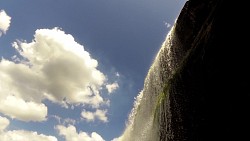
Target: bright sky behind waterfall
{"x": 69, "y": 70}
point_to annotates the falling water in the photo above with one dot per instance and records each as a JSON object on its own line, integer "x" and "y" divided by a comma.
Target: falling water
{"x": 143, "y": 123}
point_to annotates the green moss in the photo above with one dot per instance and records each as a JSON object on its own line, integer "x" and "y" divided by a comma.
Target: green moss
{"x": 163, "y": 95}
{"x": 160, "y": 99}
{"x": 177, "y": 73}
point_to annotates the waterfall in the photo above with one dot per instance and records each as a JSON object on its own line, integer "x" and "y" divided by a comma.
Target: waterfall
{"x": 143, "y": 123}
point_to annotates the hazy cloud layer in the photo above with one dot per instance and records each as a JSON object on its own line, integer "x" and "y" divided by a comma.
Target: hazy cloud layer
{"x": 70, "y": 134}
{"x": 21, "y": 135}
{"x": 4, "y": 22}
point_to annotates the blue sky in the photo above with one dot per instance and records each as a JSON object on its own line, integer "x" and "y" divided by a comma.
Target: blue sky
{"x": 71, "y": 69}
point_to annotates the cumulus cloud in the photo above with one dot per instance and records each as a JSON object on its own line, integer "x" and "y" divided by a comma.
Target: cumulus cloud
{"x": 52, "y": 66}
{"x": 4, "y": 22}
{"x": 112, "y": 87}
{"x": 4, "y": 123}
{"x": 67, "y": 72}
{"x": 21, "y": 135}
{"x": 70, "y": 134}
{"x": 92, "y": 116}
{"x": 26, "y": 111}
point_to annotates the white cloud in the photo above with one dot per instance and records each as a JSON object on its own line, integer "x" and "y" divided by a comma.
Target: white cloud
{"x": 65, "y": 121}
{"x": 89, "y": 116}
{"x": 92, "y": 116}
{"x": 57, "y": 118}
{"x": 4, "y": 123}
{"x": 68, "y": 73}
{"x": 101, "y": 115}
{"x": 21, "y": 135}
{"x": 167, "y": 24}
{"x": 4, "y": 22}
{"x": 26, "y": 111}
{"x": 112, "y": 87}
{"x": 69, "y": 121}
{"x": 70, "y": 134}
{"x": 53, "y": 66}
{"x": 117, "y": 74}
{"x": 115, "y": 139}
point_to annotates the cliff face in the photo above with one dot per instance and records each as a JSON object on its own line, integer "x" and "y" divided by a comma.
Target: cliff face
{"x": 208, "y": 95}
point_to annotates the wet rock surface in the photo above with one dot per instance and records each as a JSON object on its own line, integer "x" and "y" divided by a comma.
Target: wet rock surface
{"x": 208, "y": 95}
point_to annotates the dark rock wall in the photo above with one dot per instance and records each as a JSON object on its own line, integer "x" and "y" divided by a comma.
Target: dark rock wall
{"x": 209, "y": 94}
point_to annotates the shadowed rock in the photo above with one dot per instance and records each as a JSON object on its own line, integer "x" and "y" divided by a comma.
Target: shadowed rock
{"x": 208, "y": 94}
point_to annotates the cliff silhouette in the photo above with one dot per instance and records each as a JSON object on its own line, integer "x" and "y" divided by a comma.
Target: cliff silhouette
{"x": 208, "y": 93}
